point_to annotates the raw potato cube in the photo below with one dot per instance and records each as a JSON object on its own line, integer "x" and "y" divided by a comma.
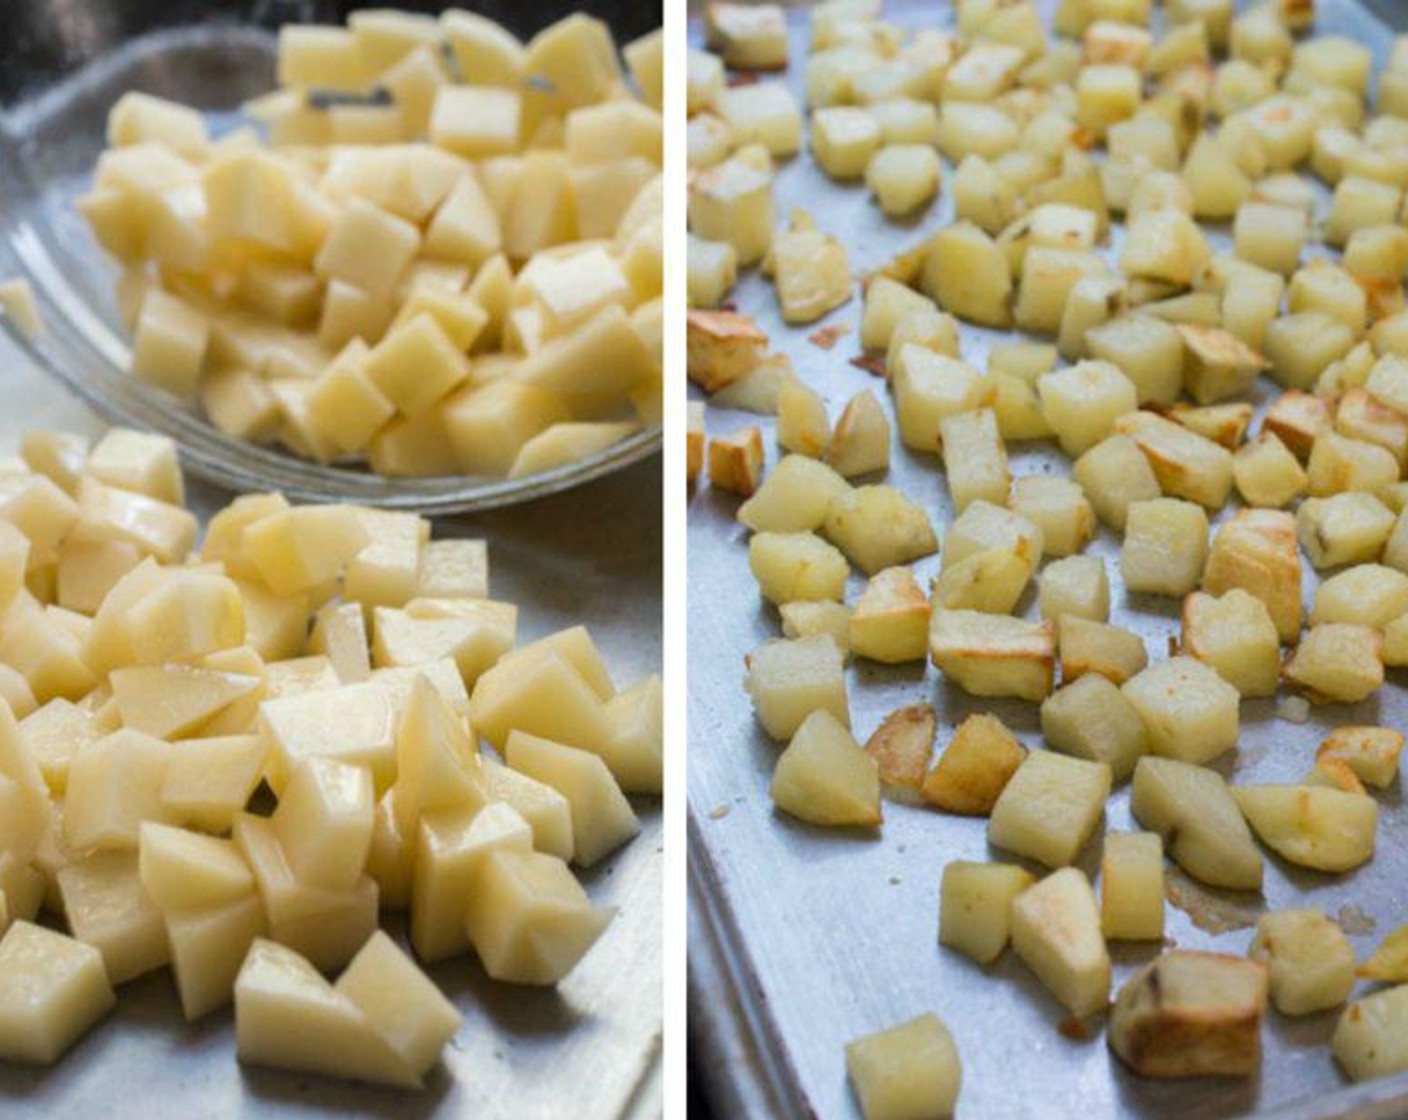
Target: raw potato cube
{"x": 1095, "y": 647}
{"x": 736, "y": 462}
{"x": 289, "y": 1017}
{"x": 748, "y": 36}
{"x": 52, "y": 990}
{"x": 1056, "y": 933}
{"x": 975, "y": 903}
{"x": 367, "y": 247}
{"x": 1132, "y": 887}
{"x": 1370, "y": 1040}
{"x": 1312, "y": 826}
{"x": 1050, "y": 807}
{"x": 353, "y": 723}
{"x": 1371, "y": 752}
{"x": 792, "y": 566}
{"x": 1191, "y": 713}
{"x": 825, "y": 778}
{"x": 843, "y": 138}
{"x": 324, "y": 822}
{"x": 1337, "y": 661}
{"x": 1367, "y": 594}
{"x": 1191, "y": 1014}
{"x": 1267, "y": 474}
{"x": 860, "y": 443}
{"x": 1309, "y": 961}
{"x": 993, "y": 655}
{"x": 1084, "y": 401}
{"x": 794, "y": 497}
{"x": 1090, "y": 718}
{"x": 890, "y": 620}
{"x": 974, "y": 768}
{"x": 169, "y": 343}
{"x": 1235, "y": 635}
{"x": 1146, "y": 350}
{"x": 901, "y": 745}
{"x": 1165, "y": 546}
{"x": 113, "y": 786}
{"x": 877, "y": 527}
{"x": 1269, "y": 236}
{"x": 208, "y": 945}
{"x": 765, "y": 113}
{"x": 906, "y": 1072}
{"x": 1186, "y": 464}
{"x": 788, "y": 680}
{"x": 107, "y": 907}
{"x": 967, "y": 275}
{"x": 1193, "y": 809}
{"x": 903, "y": 177}
{"x": 975, "y": 458}
{"x": 1058, "y": 507}
{"x": 1114, "y": 474}
{"x": 186, "y": 870}
{"x": 1257, "y": 551}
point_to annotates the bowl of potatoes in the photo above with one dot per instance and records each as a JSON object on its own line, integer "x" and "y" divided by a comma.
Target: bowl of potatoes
{"x": 409, "y": 260}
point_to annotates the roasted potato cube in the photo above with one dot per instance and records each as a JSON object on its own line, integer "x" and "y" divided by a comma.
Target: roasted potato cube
{"x": 1370, "y": 752}
{"x": 1269, "y": 236}
{"x": 1094, "y": 647}
{"x": 966, "y": 274}
{"x": 763, "y": 113}
{"x": 810, "y": 273}
{"x": 797, "y": 566}
{"x": 890, "y": 620}
{"x": 1090, "y": 718}
{"x": 860, "y": 443}
{"x": 887, "y": 302}
{"x": 712, "y": 271}
{"x": 1191, "y": 1014}
{"x": 878, "y": 527}
{"x": 1132, "y": 887}
{"x": 1224, "y": 424}
{"x": 975, "y": 458}
{"x": 1056, "y": 933}
{"x": 984, "y": 525}
{"x": 824, "y": 778}
{"x": 1235, "y": 635}
{"x": 1267, "y": 474}
{"x": 1218, "y": 364}
{"x": 903, "y": 177}
{"x": 1050, "y": 807}
{"x": 993, "y": 655}
{"x": 1186, "y": 464}
{"x": 974, "y": 768}
{"x": 910, "y": 1070}
{"x": 929, "y": 387}
{"x": 1049, "y": 275}
{"x": 1367, "y": 594}
{"x": 1165, "y": 546}
{"x": 1114, "y": 474}
{"x": 1164, "y": 245}
{"x": 1349, "y": 528}
{"x": 991, "y": 580}
{"x": 1204, "y": 831}
{"x": 1338, "y": 463}
{"x": 1370, "y": 1039}
{"x": 1337, "y": 662}
{"x": 790, "y": 679}
{"x": 975, "y": 904}
{"x": 901, "y": 745}
{"x": 736, "y": 462}
{"x": 1312, "y": 826}
{"x": 1191, "y": 712}
{"x": 1256, "y": 551}
{"x": 1084, "y": 402}
{"x": 794, "y": 497}
{"x": 721, "y": 347}
{"x": 1302, "y": 345}
{"x": 694, "y": 433}
{"x": 1059, "y": 508}
{"x": 748, "y": 36}
{"x": 1146, "y": 350}
{"x": 802, "y": 424}
{"x": 732, "y": 202}
{"x": 1309, "y": 961}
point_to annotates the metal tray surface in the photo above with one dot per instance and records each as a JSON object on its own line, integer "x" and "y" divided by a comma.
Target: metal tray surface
{"x": 803, "y": 938}
{"x": 589, "y": 1048}
{"x": 53, "y": 112}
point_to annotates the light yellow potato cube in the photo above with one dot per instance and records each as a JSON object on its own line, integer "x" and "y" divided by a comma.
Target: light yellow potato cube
{"x": 174, "y": 701}
{"x": 1236, "y": 636}
{"x": 791, "y": 566}
{"x": 975, "y": 901}
{"x": 169, "y": 343}
{"x": 890, "y": 621}
{"x": 929, "y": 387}
{"x": 732, "y": 202}
{"x": 187, "y": 870}
{"x": 114, "y": 785}
{"x": 1056, "y": 932}
{"x": 993, "y": 655}
{"x": 1191, "y": 713}
{"x": 1084, "y": 401}
{"x": 903, "y": 177}
{"x": 810, "y": 272}
{"x": 1269, "y": 235}
{"x": 713, "y": 270}
{"x": 1367, "y": 594}
{"x": 1309, "y": 961}
{"x": 324, "y": 822}
{"x": 1059, "y": 508}
{"x": 416, "y": 365}
{"x": 208, "y": 781}
{"x": 788, "y": 680}
{"x": 546, "y": 811}
{"x": 140, "y": 462}
{"x": 1319, "y": 827}
{"x": 966, "y": 273}
{"x": 1106, "y": 93}
{"x": 1267, "y": 474}
{"x": 764, "y": 113}
{"x": 1074, "y": 585}
{"x": 476, "y": 121}
{"x": 1089, "y": 718}
{"x": 353, "y": 724}
{"x": 1368, "y": 1039}
{"x": 53, "y": 989}
{"x": 975, "y": 458}
{"x": 1114, "y": 474}
{"x": 843, "y": 138}
{"x": 299, "y": 549}
{"x": 1148, "y": 351}
{"x": 878, "y": 527}
{"x": 1050, "y": 807}
{"x": 793, "y": 498}
{"x": 634, "y": 751}
{"x": 1186, "y": 464}
{"x": 825, "y": 778}
{"x": 1165, "y": 546}
{"x": 208, "y": 945}
{"x": 908, "y": 1070}
{"x": 107, "y": 907}
{"x": 368, "y": 248}
{"x": 1132, "y": 887}
{"x": 1337, "y": 661}
{"x": 1371, "y": 753}
{"x": 1348, "y": 528}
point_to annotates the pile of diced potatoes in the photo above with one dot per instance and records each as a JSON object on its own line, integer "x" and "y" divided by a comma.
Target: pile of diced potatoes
{"x": 230, "y": 757}
{"x": 436, "y": 250}
{"x": 1227, "y": 490}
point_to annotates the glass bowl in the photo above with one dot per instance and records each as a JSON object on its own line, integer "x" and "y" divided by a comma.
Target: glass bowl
{"x": 66, "y": 63}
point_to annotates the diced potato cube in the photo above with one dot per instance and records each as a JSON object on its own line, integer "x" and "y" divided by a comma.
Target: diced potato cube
{"x": 860, "y": 443}
{"x": 1091, "y": 719}
{"x": 1056, "y": 933}
{"x": 1371, "y": 752}
{"x": 975, "y": 902}
{"x": 975, "y": 767}
{"x": 909, "y": 1070}
{"x": 1192, "y": 808}
{"x": 1367, "y": 594}
{"x": 748, "y": 36}
{"x": 1148, "y": 351}
{"x": 736, "y": 462}
{"x": 1319, "y": 827}
{"x": 890, "y": 621}
{"x": 1257, "y": 551}
{"x": 1164, "y": 245}
{"x": 1269, "y": 236}
{"x": 732, "y": 202}
{"x": 1337, "y": 661}
{"x": 52, "y": 990}
{"x": 993, "y": 655}
{"x": 1114, "y": 474}
{"x": 903, "y": 177}
{"x": 1088, "y": 646}
{"x": 764, "y": 113}
{"x": 1049, "y": 275}
{"x": 1235, "y": 635}
{"x": 843, "y": 138}
{"x": 1050, "y": 807}
{"x": 927, "y": 388}
{"x": 792, "y": 566}
{"x": 824, "y": 778}
{"x": 1106, "y": 93}
{"x": 169, "y": 343}
{"x": 602, "y": 818}
{"x": 1369, "y": 1037}
{"x": 788, "y": 680}
{"x": 1084, "y": 401}
{"x": 975, "y": 458}
{"x": 1132, "y": 887}
{"x": 1349, "y": 528}
{"x": 1309, "y": 961}
{"x": 1191, "y": 713}
{"x": 106, "y": 906}
{"x": 877, "y": 527}
{"x": 1165, "y": 546}
{"x": 967, "y": 275}
{"x": 1074, "y": 585}
{"x": 1267, "y": 474}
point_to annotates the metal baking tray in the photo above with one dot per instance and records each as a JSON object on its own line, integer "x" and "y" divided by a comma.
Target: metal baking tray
{"x": 63, "y": 67}
{"x": 803, "y": 938}
{"x": 590, "y": 1047}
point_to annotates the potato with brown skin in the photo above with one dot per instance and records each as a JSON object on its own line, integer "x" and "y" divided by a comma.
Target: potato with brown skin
{"x": 901, "y": 745}
{"x": 1191, "y": 1014}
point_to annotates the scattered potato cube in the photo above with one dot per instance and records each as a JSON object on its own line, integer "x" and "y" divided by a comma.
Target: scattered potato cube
{"x": 1235, "y": 635}
{"x": 1257, "y": 551}
{"x": 901, "y": 745}
{"x": 877, "y": 527}
{"x": 1349, "y": 528}
{"x": 1132, "y": 887}
{"x": 793, "y": 566}
{"x": 974, "y": 768}
{"x": 1337, "y": 661}
{"x": 824, "y": 778}
{"x": 736, "y": 462}
{"x": 1370, "y": 752}
{"x": 1193, "y": 809}
{"x": 1309, "y": 961}
{"x": 1114, "y": 474}
{"x": 790, "y": 679}
{"x": 1191, "y": 713}
{"x": 1091, "y": 719}
{"x": 1165, "y": 546}
{"x": 910, "y": 1070}
{"x": 1050, "y": 807}
{"x": 1267, "y": 474}
{"x": 903, "y": 177}
{"x": 1056, "y": 933}
{"x": 890, "y": 620}
{"x": 975, "y": 903}
{"x": 993, "y": 655}
{"x": 1318, "y": 827}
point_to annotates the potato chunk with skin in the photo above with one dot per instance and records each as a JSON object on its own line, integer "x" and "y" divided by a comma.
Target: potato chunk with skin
{"x": 788, "y": 680}
{"x": 1191, "y": 712}
{"x": 890, "y": 621}
{"x": 1309, "y": 960}
{"x": 793, "y": 566}
{"x": 1313, "y": 826}
{"x": 1165, "y": 546}
{"x": 1091, "y": 719}
{"x": 908, "y": 1071}
{"x": 1370, "y": 1039}
{"x": 993, "y": 655}
{"x": 974, "y": 768}
{"x": 1132, "y": 887}
{"x": 1056, "y": 933}
{"x": 825, "y": 778}
{"x": 975, "y": 902}
{"x": 878, "y": 527}
{"x": 1193, "y": 810}
{"x": 1235, "y": 635}
{"x": 52, "y": 990}
{"x": 1191, "y": 1014}
{"x": 1370, "y": 752}
{"x": 1337, "y": 661}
